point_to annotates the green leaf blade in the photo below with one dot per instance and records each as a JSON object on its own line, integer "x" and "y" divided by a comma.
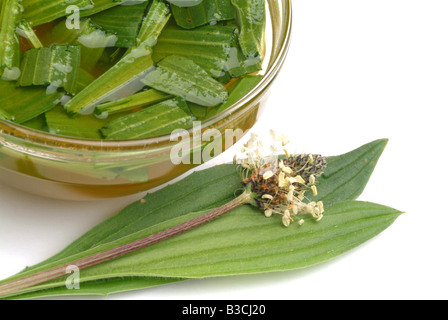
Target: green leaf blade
{"x": 141, "y": 99}
{"x": 127, "y": 71}
{"x": 10, "y": 16}
{"x": 252, "y": 23}
{"x": 5, "y": 115}
{"x": 57, "y": 66}
{"x": 207, "y": 46}
{"x": 154, "y": 22}
{"x": 122, "y": 21}
{"x": 241, "y": 88}
{"x": 26, "y": 31}
{"x": 86, "y": 127}
{"x": 181, "y": 77}
{"x": 203, "y": 13}
{"x": 24, "y": 104}
{"x": 244, "y": 241}
{"x": 346, "y": 176}
{"x": 38, "y": 12}
{"x": 159, "y": 119}
{"x": 101, "y": 5}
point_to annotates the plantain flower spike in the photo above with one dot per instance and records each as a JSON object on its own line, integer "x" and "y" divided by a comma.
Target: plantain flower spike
{"x": 279, "y": 183}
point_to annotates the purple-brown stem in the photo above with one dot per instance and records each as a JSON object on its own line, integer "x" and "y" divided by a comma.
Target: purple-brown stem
{"x": 90, "y": 261}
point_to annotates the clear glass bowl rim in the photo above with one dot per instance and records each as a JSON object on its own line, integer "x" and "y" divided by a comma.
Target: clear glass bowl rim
{"x": 36, "y": 137}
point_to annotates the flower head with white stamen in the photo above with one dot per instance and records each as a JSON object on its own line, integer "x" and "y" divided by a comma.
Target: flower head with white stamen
{"x": 279, "y": 186}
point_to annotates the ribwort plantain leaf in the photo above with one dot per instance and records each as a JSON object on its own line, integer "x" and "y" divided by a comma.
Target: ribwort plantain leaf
{"x": 242, "y": 242}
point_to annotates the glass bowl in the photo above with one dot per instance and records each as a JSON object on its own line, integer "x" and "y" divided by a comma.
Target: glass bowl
{"x": 76, "y": 169}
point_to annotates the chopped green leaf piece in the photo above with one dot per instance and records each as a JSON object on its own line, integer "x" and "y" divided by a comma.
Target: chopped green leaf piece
{"x": 207, "y": 11}
{"x": 125, "y": 75}
{"x": 10, "y": 48}
{"x": 207, "y": 46}
{"x": 252, "y": 22}
{"x": 84, "y": 79}
{"x": 56, "y": 66}
{"x": 240, "y": 89}
{"x": 153, "y": 121}
{"x": 122, "y": 21}
{"x": 101, "y": 5}
{"x": 185, "y": 3}
{"x": 199, "y": 112}
{"x": 154, "y": 22}
{"x": 26, "y": 31}
{"x": 38, "y": 12}
{"x": 142, "y": 99}
{"x": 89, "y": 35}
{"x": 37, "y": 123}
{"x": 25, "y": 104}
{"x": 179, "y": 76}
{"x": 5, "y": 115}
{"x": 86, "y": 127}
{"x": 239, "y": 65}
{"x": 93, "y": 40}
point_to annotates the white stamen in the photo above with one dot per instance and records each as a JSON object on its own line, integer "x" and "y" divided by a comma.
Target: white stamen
{"x": 268, "y": 174}
{"x": 299, "y": 179}
{"x": 310, "y": 158}
{"x": 287, "y": 170}
{"x": 314, "y": 189}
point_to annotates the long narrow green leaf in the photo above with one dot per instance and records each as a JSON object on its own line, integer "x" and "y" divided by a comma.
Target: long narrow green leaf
{"x": 181, "y": 77}
{"x": 204, "y": 13}
{"x": 237, "y": 243}
{"x": 246, "y": 242}
{"x": 122, "y": 21}
{"x": 26, "y": 103}
{"x": 208, "y": 46}
{"x": 128, "y": 71}
{"x": 10, "y": 48}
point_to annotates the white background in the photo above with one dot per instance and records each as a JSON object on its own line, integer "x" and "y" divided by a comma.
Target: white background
{"x": 357, "y": 71}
